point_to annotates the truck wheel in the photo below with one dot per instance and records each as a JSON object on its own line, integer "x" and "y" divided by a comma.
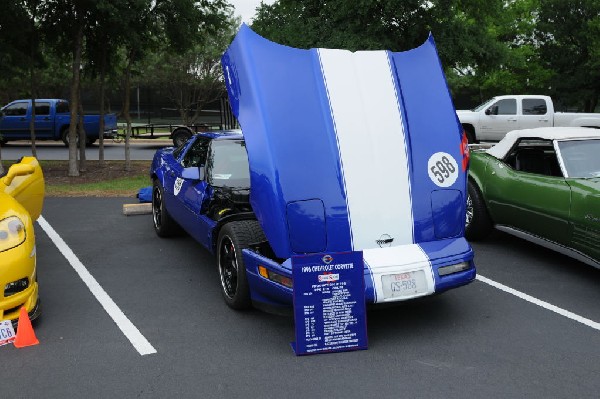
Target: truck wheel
{"x": 3, "y": 141}
{"x": 64, "y": 135}
{"x": 180, "y": 136}
{"x": 164, "y": 225}
{"x": 89, "y": 142}
{"x": 233, "y": 238}
{"x": 478, "y": 223}
{"x": 470, "y": 132}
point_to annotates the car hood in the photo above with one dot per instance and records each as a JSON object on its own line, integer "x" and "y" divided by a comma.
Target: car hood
{"x": 343, "y": 146}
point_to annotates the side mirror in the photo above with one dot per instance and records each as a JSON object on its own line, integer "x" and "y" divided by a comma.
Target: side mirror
{"x": 493, "y": 110}
{"x": 17, "y": 170}
{"x": 193, "y": 173}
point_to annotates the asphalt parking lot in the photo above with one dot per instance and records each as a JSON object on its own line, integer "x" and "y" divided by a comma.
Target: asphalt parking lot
{"x": 540, "y": 340}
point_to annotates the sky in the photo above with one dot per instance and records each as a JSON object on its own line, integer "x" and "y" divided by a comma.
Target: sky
{"x": 247, "y": 8}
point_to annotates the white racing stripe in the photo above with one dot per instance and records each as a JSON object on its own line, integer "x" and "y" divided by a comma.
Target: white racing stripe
{"x": 136, "y": 338}
{"x": 370, "y": 136}
{"x": 538, "y": 302}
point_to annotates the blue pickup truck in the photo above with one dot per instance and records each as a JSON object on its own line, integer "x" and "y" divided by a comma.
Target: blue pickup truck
{"x": 52, "y": 120}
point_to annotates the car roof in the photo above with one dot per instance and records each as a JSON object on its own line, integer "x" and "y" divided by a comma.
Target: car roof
{"x": 549, "y": 133}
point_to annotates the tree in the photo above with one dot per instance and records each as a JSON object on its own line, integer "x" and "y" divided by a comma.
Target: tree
{"x": 13, "y": 42}
{"x": 516, "y": 66}
{"x": 467, "y": 33}
{"x": 193, "y": 79}
{"x": 569, "y": 37}
{"x": 180, "y": 24}
{"x": 65, "y": 24}
{"x": 104, "y": 36}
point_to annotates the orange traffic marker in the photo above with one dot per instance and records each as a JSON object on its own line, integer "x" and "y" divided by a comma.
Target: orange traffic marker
{"x": 25, "y": 335}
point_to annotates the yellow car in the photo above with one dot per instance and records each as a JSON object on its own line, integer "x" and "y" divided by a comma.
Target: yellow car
{"x": 21, "y": 201}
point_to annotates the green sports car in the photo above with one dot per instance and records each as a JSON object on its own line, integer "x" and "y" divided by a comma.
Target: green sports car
{"x": 542, "y": 185}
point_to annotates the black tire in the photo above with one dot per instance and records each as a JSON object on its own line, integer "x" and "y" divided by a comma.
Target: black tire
{"x": 164, "y": 225}
{"x": 64, "y": 136}
{"x": 89, "y": 142}
{"x": 470, "y": 132}
{"x": 234, "y": 237}
{"x": 3, "y": 141}
{"x": 180, "y": 136}
{"x": 478, "y": 223}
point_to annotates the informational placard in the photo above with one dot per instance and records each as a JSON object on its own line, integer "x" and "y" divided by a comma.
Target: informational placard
{"x": 7, "y": 333}
{"x": 329, "y": 303}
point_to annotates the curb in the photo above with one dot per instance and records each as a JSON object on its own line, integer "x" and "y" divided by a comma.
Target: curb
{"x": 137, "y": 209}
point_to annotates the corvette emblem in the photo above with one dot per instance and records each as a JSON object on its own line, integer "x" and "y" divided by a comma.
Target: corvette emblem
{"x": 384, "y": 241}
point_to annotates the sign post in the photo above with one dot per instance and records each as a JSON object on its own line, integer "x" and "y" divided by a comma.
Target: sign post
{"x": 329, "y": 303}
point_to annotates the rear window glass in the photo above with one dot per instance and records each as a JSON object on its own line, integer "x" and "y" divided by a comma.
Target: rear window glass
{"x": 42, "y": 108}
{"x": 534, "y": 106}
{"x": 62, "y": 107}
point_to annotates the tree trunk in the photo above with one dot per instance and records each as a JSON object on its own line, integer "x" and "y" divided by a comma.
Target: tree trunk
{"x": 32, "y": 120}
{"x": 32, "y": 48}
{"x": 126, "y": 105}
{"x": 73, "y": 169}
{"x": 82, "y": 135}
{"x": 101, "y": 128}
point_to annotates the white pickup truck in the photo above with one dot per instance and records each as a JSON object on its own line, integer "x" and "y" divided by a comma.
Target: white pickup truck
{"x": 494, "y": 118}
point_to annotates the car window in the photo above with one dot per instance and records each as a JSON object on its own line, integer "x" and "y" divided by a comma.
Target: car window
{"x": 227, "y": 164}
{"x": 196, "y": 153}
{"x": 580, "y": 157}
{"x": 18, "y": 109}
{"x": 534, "y": 156}
{"x": 507, "y": 106}
{"x": 62, "y": 107}
{"x": 534, "y": 106}
{"x": 42, "y": 108}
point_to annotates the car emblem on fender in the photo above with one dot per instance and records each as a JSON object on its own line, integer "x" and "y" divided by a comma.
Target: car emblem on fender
{"x": 384, "y": 241}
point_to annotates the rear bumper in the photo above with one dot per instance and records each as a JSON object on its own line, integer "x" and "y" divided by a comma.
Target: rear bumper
{"x": 436, "y": 255}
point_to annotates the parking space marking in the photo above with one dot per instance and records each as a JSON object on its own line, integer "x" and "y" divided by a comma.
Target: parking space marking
{"x": 130, "y": 331}
{"x": 538, "y": 302}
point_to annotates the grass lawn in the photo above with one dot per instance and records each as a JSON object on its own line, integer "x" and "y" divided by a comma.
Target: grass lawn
{"x": 110, "y": 180}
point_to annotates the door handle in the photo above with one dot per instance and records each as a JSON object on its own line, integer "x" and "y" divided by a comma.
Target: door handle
{"x": 543, "y": 120}
{"x": 512, "y": 120}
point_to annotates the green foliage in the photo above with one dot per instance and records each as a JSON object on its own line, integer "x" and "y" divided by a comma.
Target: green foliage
{"x": 193, "y": 78}
{"x": 488, "y": 47}
{"x": 568, "y": 33}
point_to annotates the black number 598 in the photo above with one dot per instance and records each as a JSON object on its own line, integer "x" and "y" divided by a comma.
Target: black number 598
{"x": 442, "y": 169}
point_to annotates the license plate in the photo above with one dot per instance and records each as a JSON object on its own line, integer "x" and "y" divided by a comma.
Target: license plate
{"x": 7, "y": 334}
{"x": 403, "y": 284}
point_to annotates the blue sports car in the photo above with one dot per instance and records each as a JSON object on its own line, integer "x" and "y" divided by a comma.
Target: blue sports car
{"x": 341, "y": 152}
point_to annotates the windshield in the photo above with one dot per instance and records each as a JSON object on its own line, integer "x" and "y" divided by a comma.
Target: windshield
{"x": 580, "y": 157}
{"x": 484, "y": 105}
{"x": 228, "y": 164}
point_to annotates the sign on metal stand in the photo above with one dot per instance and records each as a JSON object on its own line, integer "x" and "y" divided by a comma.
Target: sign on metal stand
{"x": 329, "y": 303}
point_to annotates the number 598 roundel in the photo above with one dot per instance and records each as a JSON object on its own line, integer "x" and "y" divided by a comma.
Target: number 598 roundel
{"x": 339, "y": 152}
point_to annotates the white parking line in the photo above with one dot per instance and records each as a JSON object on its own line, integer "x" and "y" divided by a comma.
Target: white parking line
{"x": 136, "y": 338}
{"x": 535, "y": 301}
